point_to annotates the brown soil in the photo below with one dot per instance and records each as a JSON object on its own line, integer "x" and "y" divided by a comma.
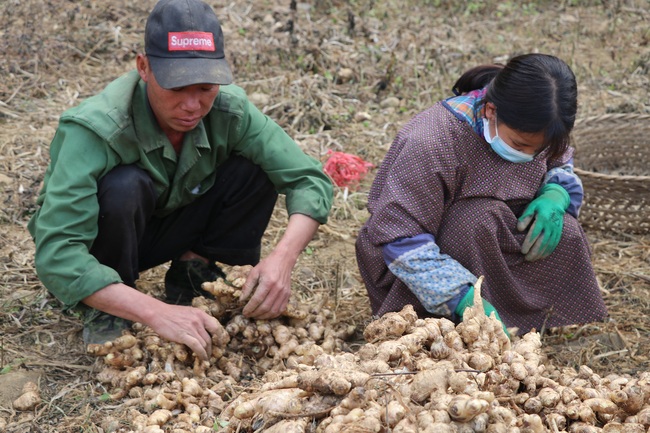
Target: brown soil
{"x": 402, "y": 56}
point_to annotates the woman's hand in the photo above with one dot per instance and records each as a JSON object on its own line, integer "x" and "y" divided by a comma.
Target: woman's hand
{"x": 546, "y": 213}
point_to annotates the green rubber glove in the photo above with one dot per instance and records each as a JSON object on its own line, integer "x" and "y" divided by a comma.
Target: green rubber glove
{"x": 468, "y": 301}
{"x": 547, "y": 215}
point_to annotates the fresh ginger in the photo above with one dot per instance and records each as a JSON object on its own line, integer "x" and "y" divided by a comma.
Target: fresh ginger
{"x": 281, "y": 401}
{"x": 394, "y": 413}
{"x": 126, "y": 341}
{"x": 425, "y": 375}
{"x": 390, "y": 325}
{"x": 463, "y": 408}
{"x": 331, "y": 381}
{"x": 426, "y": 384}
{"x": 159, "y": 417}
{"x": 29, "y": 398}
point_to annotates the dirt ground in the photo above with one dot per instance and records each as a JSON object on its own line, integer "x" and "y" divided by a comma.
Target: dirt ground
{"x": 341, "y": 76}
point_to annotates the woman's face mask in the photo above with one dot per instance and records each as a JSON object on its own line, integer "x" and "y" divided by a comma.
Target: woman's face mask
{"x": 501, "y": 147}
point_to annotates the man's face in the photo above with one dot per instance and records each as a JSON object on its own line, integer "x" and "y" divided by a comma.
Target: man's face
{"x": 177, "y": 110}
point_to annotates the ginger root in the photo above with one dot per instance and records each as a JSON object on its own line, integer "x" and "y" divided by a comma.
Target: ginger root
{"x": 29, "y": 399}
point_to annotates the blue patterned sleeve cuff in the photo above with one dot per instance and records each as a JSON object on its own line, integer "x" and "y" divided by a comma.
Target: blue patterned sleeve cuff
{"x": 435, "y": 279}
{"x": 453, "y": 302}
{"x": 567, "y": 179}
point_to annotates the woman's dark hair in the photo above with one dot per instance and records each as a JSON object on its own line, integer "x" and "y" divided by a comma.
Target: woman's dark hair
{"x": 537, "y": 92}
{"x": 476, "y": 78}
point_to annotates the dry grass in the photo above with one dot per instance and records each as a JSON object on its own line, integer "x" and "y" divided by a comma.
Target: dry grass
{"x": 403, "y": 55}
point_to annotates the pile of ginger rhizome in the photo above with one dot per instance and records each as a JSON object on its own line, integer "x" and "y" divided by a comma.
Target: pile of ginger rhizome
{"x": 297, "y": 373}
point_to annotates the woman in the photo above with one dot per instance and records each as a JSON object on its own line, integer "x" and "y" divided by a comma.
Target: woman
{"x": 482, "y": 184}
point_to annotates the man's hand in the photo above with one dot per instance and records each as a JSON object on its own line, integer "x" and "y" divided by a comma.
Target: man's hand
{"x": 184, "y": 325}
{"x": 270, "y": 281}
{"x": 546, "y": 213}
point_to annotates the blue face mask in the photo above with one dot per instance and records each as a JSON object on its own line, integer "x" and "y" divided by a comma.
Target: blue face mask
{"x": 501, "y": 147}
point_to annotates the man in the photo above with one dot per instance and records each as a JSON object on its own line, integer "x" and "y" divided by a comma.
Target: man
{"x": 166, "y": 164}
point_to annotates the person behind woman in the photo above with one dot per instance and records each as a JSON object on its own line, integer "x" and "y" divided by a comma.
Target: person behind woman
{"x": 483, "y": 184}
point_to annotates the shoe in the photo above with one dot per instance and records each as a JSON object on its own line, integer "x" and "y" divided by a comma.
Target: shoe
{"x": 184, "y": 278}
{"x": 100, "y": 327}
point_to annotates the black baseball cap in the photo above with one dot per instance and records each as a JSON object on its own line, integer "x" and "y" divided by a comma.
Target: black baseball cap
{"x": 184, "y": 44}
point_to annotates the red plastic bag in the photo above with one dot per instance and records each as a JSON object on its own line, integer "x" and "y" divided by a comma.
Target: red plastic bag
{"x": 346, "y": 170}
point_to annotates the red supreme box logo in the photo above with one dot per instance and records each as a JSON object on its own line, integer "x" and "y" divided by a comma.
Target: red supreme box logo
{"x": 187, "y": 41}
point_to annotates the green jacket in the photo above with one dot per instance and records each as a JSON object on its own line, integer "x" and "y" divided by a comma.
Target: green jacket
{"x": 117, "y": 127}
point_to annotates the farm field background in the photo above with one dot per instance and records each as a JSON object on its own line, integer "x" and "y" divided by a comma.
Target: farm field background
{"x": 338, "y": 76}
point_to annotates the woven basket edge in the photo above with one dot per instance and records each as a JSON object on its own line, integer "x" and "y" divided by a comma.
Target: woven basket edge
{"x": 583, "y": 121}
{"x": 586, "y": 173}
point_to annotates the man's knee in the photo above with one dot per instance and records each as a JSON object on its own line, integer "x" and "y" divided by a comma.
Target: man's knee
{"x": 126, "y": 188}
{"x": 240, "y": 180}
